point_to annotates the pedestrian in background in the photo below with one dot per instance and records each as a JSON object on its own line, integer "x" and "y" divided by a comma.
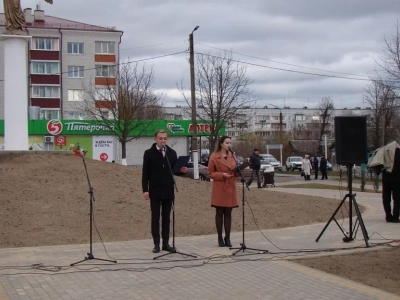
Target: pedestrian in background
{"x": 315, "y": 166}
{"x": 306, "y": 167}
{"x": 323, "y": 167}
{"x": 255, "y": 161}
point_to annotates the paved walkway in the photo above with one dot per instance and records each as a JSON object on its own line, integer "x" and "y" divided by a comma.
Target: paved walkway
{"x": 32, "y": 273}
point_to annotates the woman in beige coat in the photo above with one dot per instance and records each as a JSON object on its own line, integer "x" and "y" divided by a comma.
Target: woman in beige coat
{"x": 224, "y": 191}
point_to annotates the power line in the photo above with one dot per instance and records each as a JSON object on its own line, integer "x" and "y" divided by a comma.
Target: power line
{"x": 278, "y": 62}
{"x": 285, "y": 70}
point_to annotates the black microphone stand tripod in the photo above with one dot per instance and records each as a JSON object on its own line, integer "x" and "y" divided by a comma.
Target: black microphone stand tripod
{"x": 90, "y": 255}
{"x": 174, "y": 250}
{"x": 243, "y": 246}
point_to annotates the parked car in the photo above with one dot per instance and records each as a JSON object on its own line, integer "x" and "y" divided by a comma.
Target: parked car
{"x": 266, "y": 166}
{"x": 274, "y": 162}
{"x": 294, "y": 163}
{"x": 202, "y": 172}
{"x": 328, "y": 164}
{"x": 263, "y": 156}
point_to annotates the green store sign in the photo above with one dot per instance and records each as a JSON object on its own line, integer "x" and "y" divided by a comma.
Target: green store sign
{"x": 92, "y": 127}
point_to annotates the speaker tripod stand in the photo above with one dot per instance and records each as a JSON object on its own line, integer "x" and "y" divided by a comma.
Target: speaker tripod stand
{"x": 350, "y": 235}
{"x": 90, "y": 255}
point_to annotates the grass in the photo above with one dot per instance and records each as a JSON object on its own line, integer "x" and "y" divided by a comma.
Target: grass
{"x": 324, "y": 187}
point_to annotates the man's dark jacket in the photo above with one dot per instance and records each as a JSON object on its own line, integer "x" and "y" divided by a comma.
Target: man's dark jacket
{"x": 323, "y": 164}
{"x": 156, "y": 174}
{"x": 315, "y": 163}
{"x": 255, "y": 161}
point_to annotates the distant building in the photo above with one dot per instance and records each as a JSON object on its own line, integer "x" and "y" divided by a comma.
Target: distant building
{"x": 64, "y": 56}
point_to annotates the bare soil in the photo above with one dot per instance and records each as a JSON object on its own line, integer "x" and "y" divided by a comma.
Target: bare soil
{"x": 45, "y": 201}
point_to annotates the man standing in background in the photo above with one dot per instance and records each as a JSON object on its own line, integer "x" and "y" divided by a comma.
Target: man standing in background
{"x": 255, "y": 161}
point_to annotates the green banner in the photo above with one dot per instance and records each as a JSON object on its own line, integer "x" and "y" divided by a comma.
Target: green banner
{"x": 92, "y": 127}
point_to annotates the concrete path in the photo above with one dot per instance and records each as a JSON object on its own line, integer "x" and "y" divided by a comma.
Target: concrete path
{"x": 44, "y": 272}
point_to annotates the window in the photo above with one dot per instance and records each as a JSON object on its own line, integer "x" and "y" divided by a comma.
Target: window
{"x": 75, "y": 48}
{"x": 104, "y": 94}
{"x": 45, "y": 44}
{"x": 104, "y": 47}
{"x": 104, "y": 71}
{"x": 40, "y": 91}
{"x": 42, "y": 67}
{"x": 47, "y": 114}
{"x": 75, "y": 116}
{"x": 75, "y": 95}
{"x": 76, "y": 72}
{"x": 299, "y": 117}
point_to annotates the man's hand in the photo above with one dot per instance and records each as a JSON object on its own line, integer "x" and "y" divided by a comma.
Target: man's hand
{"x": 146, "y": 196}
{"x": 183, "y": 170}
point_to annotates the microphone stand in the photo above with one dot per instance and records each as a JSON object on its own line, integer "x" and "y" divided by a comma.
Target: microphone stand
{"x": 243, "y": 246}
{"x": 90, "y": 255}
{"x": 174, "y": 250}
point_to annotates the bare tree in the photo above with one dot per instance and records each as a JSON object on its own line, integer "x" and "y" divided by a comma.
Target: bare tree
{"x": 126, "y": 104}
{"x": 384, "y": 105}
{"x": 390, "y": 62}
{"x": 325, "y": 114}
{"x": 222, "y": 89}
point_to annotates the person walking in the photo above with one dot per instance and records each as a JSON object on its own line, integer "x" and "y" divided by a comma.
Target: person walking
{"x": 306, "y": 167}
{"x": 158, "y": 187}
{"x": 255, "y": 161}
{"x": 323, "y": 167}
{"x": 224, "y": 192}
{"x": 315, "y": 166}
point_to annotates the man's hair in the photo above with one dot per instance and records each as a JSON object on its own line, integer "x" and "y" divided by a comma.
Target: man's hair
{"x": 160, "y": 131}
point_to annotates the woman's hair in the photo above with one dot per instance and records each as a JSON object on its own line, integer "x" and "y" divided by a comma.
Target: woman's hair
{"x": 220, "y": 141}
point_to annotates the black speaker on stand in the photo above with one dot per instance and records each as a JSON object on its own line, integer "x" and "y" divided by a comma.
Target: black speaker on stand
{"x": 351, "y": 148}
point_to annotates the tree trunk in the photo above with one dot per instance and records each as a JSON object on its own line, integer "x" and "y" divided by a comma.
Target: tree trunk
{"x": 123, "y": 150}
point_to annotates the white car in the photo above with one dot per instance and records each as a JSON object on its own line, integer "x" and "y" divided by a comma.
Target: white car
{"x": 266, "y": 167}
{"x": 274, "y": 162}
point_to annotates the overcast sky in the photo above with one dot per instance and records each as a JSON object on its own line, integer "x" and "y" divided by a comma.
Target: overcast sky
{"x": 341, "y": 38}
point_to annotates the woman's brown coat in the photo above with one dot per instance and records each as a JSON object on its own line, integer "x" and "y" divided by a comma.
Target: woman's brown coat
{"x": 224, "y": 191}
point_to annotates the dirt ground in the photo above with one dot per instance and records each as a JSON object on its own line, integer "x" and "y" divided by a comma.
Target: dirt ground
{"x": 45, "y": 201}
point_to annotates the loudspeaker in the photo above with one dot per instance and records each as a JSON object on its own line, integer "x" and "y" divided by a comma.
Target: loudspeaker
{"x": 351, "y": 139}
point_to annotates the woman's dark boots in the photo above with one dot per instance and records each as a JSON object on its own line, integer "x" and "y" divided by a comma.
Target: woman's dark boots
{"x": 218, "y": 223}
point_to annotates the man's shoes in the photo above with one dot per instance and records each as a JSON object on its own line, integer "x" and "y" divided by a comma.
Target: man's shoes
{"x": 167, "y": 247}
{"x": 156, "y": 249}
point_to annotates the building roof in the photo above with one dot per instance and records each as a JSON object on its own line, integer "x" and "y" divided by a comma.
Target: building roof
{"x": 59, "y": 23}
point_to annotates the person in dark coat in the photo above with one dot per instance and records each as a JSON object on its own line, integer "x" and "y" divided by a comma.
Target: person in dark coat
{"x": 315, "y": 166}
{"x": 391, "y": 188}
{"x": 323, "y": 166}
{"x": 158, "y": 187}
{"x": 255, "y": 161}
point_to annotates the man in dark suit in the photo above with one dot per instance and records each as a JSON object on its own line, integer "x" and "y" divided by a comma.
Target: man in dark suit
{"x": 158, "y": 187}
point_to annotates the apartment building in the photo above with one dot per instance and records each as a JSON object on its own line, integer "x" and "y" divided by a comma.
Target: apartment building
{"x": 64, "y": 57}
{"x": 265, "y": 121}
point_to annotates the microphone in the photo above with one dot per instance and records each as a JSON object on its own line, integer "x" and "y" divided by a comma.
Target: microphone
{"x": 231, "y": 151}
{"x": 164, "y": 147}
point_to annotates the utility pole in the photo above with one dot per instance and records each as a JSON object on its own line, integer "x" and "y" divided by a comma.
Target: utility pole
{"x": 195, "y": 153}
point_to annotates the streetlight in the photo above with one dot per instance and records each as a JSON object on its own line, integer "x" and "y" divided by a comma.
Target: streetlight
{"x": 195, "y": 154}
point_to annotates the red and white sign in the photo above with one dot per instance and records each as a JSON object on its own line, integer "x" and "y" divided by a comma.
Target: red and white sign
{"x": 54, "y": 127}
{"x": 103, "y": 156}
{"x": 60, "y": 140}
{"x": 103, "y": 148}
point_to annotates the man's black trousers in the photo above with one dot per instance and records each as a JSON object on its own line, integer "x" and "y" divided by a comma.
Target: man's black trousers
{"x": 165, "y": 207}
